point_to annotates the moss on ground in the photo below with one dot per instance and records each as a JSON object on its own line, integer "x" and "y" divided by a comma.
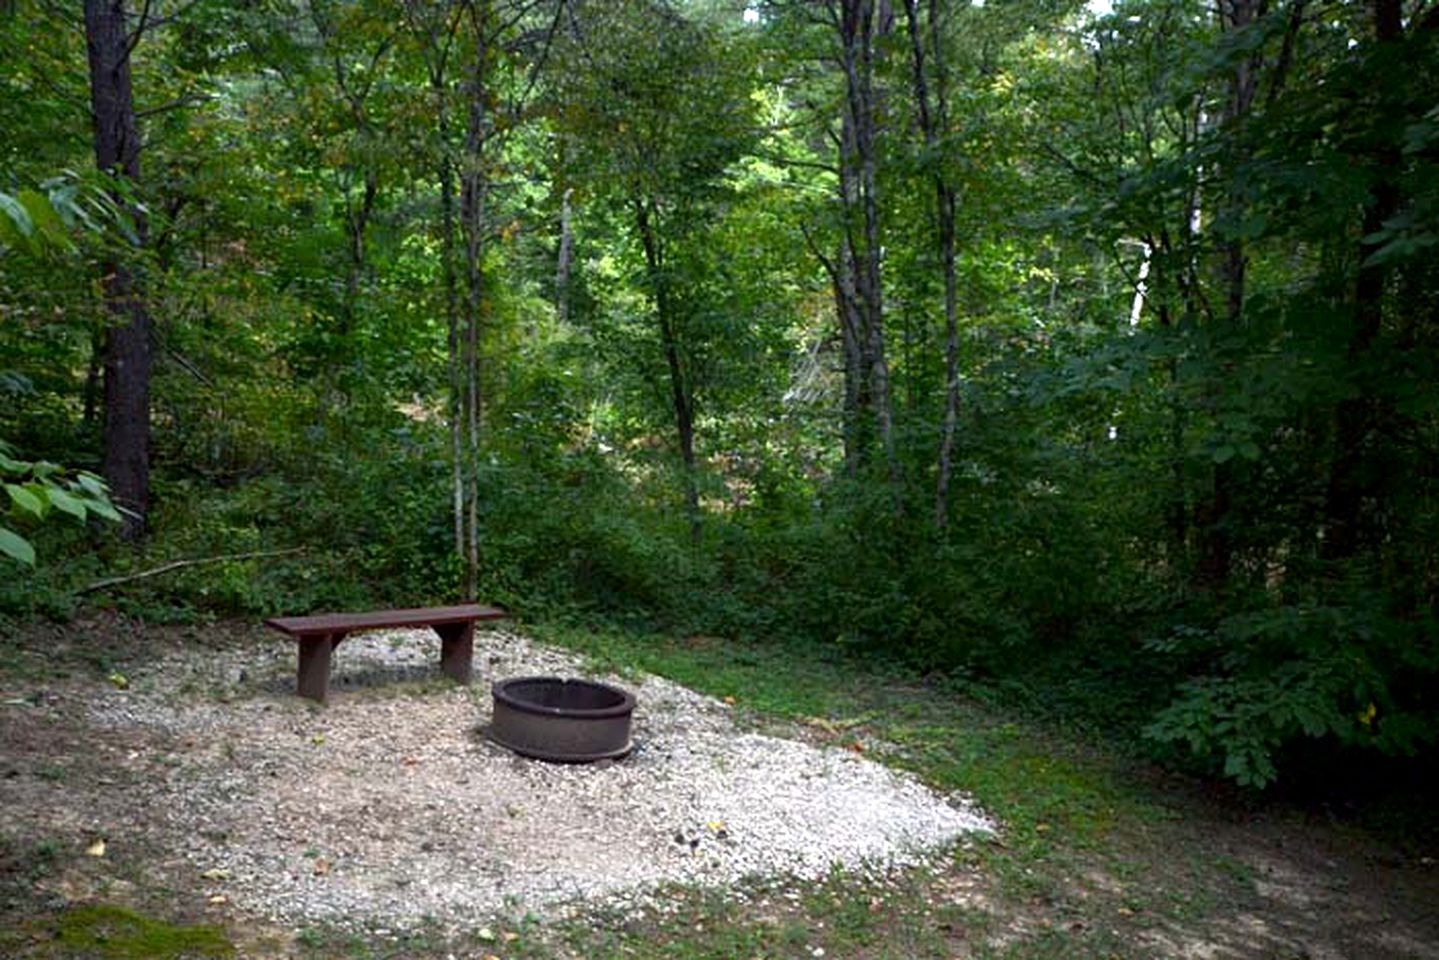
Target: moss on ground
{"x": 102, "y": 931}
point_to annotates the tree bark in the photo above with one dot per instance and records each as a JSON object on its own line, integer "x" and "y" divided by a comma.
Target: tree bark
{"x": 858, "y": 24}
{"x": 851, "y": 331}
{"x": 1212, "y": 518}
{"x": 128, "y": 352}
{"x": 455, "y": 401}
{"x": 357, "y": 223}
{"x": 681, "y": 389}
{"x": 473, "y": 190}
{"x": 933, "y": 119}
{"x": 1351, "y": 478}
{"x": 563, "y": 260}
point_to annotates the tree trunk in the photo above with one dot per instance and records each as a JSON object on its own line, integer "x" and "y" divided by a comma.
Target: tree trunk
{"x": 934, "y": 118}
{"x": 473, "y": 189}
{"x": 127, "y": 341}
{"x": 681, "y": 390}
{"x": 357, "y": 223}
{"x": 455, "y": 402}
{"x": 850, "y": 329}
{"x": 1213, "y": 521}
{"x": 563, "y": 259}
{"x": 853, "y": 311}
{"x": 860, "y": 197}
{"x": 1352, "y": 478}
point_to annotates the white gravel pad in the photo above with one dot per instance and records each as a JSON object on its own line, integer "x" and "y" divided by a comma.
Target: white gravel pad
{"x": 391, "y": 808}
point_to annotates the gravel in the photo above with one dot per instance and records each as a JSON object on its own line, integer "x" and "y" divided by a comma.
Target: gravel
{"x": 389, "y": 807}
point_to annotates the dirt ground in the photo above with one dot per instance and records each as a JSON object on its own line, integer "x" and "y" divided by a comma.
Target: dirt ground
{"x": 1310, "y": 889}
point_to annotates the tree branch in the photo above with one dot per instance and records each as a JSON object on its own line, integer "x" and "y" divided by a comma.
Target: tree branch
{"x": 177, "y": 564}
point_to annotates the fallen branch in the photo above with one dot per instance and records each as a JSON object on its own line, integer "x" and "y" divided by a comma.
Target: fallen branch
{"x": 177, "y": 564}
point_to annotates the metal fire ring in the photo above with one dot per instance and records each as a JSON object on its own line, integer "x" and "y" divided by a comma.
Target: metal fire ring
{"x": 562, "y": 720}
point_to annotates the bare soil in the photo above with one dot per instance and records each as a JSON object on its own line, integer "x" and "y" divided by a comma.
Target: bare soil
{"x": 83, "y": 761}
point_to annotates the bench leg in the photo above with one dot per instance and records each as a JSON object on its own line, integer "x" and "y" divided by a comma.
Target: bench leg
{"x": 313, "y": 678}
{"x": 457, "y": 649}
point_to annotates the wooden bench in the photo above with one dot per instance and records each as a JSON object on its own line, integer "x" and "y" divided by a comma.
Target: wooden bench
{"x": 318, "y": 636}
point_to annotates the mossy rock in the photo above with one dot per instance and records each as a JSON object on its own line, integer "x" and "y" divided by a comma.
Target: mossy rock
{"x": 106, "y": 932}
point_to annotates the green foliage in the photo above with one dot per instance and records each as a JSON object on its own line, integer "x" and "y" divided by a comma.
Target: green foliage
{"x": 1192, "y": 491}
{"x": 37, "y": 491}
{"x": 1355, "y": 674}
{"x": 108, "y": 932}
{"x": 42, "y": 224}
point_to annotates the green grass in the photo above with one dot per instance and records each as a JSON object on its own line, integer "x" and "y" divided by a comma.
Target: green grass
{"x": 1086, "y": 859}
{"x": 106, "y": 932}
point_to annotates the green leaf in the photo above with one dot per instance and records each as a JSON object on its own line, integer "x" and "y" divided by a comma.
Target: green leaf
{"x": 25, "y": 500}
{"x": 17, "y": 547}
{"x": 43, "y": 214}
{"x": 41, "y": 492}
{"x": 1400, "y": 248}
{"x": 16, "y": 227}
{"x": 103, "y": 508}
{"x": 67, "y": 503}
{"x": 1224, "y": 453}
{"x": 14, "y": 212}
{"x": 91, "y": 484}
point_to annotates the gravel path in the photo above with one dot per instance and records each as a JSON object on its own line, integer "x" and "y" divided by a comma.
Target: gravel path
{"x": 390, "y": 807}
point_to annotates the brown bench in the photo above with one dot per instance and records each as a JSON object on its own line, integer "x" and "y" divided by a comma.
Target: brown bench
{"x": 320, "y": 635}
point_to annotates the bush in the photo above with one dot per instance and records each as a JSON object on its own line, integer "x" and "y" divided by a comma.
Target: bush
{"x": 1352, "y": 673}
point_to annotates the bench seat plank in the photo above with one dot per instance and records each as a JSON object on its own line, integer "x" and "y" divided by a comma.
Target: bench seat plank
{"x": 381, "y": 619}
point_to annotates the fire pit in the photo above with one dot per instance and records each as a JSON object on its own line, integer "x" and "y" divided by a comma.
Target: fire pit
{"x": 567, "y": 721}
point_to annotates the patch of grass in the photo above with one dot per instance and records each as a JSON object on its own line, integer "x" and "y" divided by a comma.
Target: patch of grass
{"x": 53, "y": 772}
{"x": 1037, "y": 782}
{"x": 1066, "y": 811}
{"x": 107, "y": 932}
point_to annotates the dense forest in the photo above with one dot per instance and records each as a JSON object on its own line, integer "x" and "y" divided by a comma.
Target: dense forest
{"x": 1083, "y": 357}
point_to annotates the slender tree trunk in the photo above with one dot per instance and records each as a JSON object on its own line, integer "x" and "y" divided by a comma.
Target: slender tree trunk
{"x": 563, "y": 259}
{"x": 1213, "y": 518}
{"x": 850, "y": 329}
{"x": 1176, "y": 512}
{"x": 127, "y": 341}
{"x": 951, "y": 358}
{"x": 933, "y": 119}
{"x": 357, "y": 224}
{"x": 1352, "y": 480}
{"x": 872, "y": 287}
{"x": 859, "y": 185}
{"x": 455, "y": 401}
{"x": 853, "y": 310}
{"x": 681, "y": 390}
{"x": 473, "y": 189}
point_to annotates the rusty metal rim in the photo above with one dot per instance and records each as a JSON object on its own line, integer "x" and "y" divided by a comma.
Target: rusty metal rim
{"x": 553, "y": 757}
{"x": 501, "y": 691}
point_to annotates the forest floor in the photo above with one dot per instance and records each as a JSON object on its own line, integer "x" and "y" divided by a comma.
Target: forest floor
{"x": 1094, "y": 855}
